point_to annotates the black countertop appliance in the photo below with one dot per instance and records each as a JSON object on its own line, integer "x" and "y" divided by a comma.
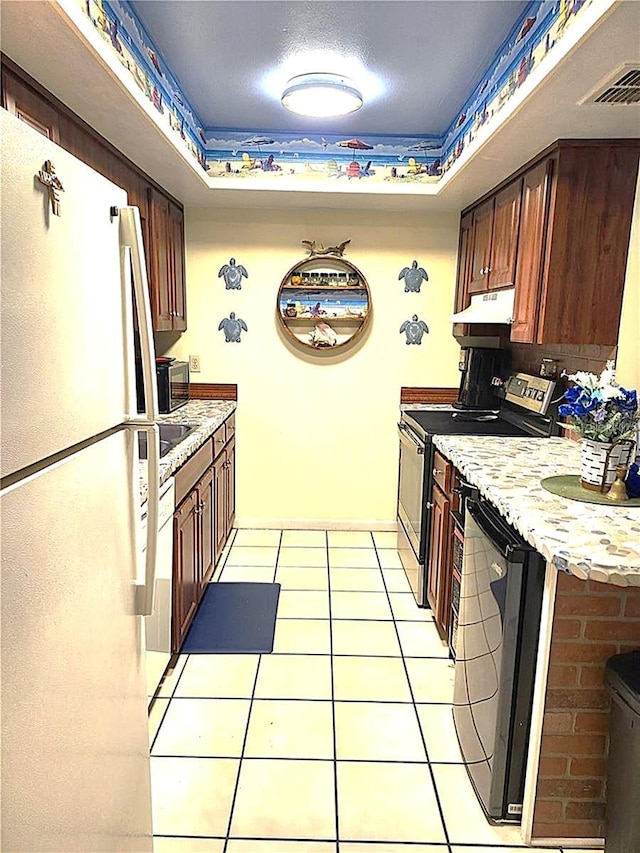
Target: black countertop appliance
{"x": 478, "y": 366}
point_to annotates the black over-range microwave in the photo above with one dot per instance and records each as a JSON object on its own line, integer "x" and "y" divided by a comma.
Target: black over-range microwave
{"x": 173, "y": 384}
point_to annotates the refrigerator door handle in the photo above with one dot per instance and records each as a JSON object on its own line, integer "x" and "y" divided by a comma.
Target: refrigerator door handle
{"x": 131, "y": 241}
{"x": 131, "y": 236}
{"x": 145, "y": 591}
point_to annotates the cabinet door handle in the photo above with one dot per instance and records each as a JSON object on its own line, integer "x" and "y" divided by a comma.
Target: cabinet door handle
{"x": 429, "y": 504}
{"x": 437, "y": 471}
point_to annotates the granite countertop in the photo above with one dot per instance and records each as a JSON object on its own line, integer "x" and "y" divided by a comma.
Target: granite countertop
{"x": 426, "y": 407}
{"x": 207, "y": 415}
{"x": 587, "y": 540}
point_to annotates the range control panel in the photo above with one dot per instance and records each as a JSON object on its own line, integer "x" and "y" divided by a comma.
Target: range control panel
{"x": 530, "y": 392}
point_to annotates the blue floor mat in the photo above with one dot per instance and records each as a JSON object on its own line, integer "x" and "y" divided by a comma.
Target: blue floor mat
{"x": 234, "y": 618}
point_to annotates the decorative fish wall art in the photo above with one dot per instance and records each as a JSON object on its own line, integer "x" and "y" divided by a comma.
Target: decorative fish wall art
{"x": 233, "y": 274}
{"x": 413, "y": 277}
{"x": 232, "y": 328}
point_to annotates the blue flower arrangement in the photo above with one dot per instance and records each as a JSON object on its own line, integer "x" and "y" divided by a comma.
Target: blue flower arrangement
{"x": 598, "y": 408}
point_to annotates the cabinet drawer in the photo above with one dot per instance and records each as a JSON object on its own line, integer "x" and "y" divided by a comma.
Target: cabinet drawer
{"x": 219, "y": 440}
{"x": 442, "y": 473}
{"x": 193, "y": 469}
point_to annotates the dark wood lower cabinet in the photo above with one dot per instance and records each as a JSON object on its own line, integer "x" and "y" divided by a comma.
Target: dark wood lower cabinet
{"x": 225, "y": 495}
{"x": 205, "y": 489}
{"x": 230, "y": 485}
{"x": 438, "y": 591}
{"x": 185, "y": 567}
{"x": 207, "y": 510}
{"x": 444, "y": 499}
{"x": 220, "y": 488}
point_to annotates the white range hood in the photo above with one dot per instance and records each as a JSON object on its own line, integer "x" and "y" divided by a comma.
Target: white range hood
{"x": 493, "y": 307}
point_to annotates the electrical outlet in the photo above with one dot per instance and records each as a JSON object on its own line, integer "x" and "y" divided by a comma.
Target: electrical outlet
{"x": 194, "y": 363}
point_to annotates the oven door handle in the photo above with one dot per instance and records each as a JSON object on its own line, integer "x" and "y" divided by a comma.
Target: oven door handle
{"x": 407, "y": 436}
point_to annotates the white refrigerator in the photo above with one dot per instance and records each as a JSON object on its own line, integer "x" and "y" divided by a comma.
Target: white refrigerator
{"x": 75, "y": 749}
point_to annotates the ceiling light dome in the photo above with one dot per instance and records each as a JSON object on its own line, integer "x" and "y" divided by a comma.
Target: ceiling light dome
{"x": 321, "y": 95}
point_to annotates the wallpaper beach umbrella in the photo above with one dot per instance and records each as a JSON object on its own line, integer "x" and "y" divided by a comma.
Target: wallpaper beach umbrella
{"x": 424, "y": 147}
{"x": 258, "y": 141}
{"x": 356, "y": 144}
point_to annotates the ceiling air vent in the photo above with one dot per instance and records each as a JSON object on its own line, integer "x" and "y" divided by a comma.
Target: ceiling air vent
{"x": 621, "y": 87}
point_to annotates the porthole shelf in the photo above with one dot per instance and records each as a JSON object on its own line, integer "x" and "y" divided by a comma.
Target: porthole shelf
{"x": 324, "y": 303}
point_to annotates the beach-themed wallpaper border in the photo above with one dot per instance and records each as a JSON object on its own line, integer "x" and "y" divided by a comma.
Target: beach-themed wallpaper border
{"x": 237, "y": 155}
{"x": 122, "y": 30}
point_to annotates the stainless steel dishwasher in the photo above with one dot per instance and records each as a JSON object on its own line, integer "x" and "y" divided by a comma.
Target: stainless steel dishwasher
{"x": 496, "y": 648}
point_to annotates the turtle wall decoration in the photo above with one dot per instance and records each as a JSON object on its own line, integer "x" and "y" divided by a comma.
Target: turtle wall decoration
{"x": 413, "y": 277}
{"x": 232, "y": 328}
{"x": 232, "y": 274}
{"x": 414, "y": 329}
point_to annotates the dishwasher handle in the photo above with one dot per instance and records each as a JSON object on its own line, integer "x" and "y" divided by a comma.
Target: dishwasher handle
{"x": 498, "y": 531}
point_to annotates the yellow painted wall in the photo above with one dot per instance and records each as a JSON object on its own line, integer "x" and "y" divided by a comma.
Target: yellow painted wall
{"x": 316, "y": 432}
{"x": 628, "y": 361}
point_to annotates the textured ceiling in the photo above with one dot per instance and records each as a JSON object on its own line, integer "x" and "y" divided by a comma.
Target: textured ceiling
{"x": 415, "y": 62}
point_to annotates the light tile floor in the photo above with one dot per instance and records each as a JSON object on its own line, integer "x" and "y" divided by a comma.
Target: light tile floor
{"x": 341, "y": 741}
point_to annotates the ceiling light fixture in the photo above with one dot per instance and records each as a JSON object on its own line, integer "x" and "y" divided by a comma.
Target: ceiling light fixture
{"x": 321, "y": 95}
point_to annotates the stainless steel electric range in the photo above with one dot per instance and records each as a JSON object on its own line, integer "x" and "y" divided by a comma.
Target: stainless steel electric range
{"x": 523, "y": 408}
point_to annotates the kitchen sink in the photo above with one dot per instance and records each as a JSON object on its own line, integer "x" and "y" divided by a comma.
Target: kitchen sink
{"x": 170, "y": 436}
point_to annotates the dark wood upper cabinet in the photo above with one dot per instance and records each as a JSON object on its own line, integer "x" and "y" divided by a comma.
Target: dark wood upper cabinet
{"x": 531, "y": 246}
{"x": 494, "y": 241}
{"x": 161, "y": 218}
{"x": 560, "y": 232}
{"x": 587, "y": 243}
{"x": 177, "y": 276}
{"x": 504, "y": 239}
{"x": 23, "y": 102}
{"x": 481, "y": 247}
{"x": 158, "y": 261}
{"x": 465, "y": 258}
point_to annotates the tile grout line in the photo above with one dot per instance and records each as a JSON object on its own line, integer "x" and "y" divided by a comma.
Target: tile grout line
{"x": 415, "y": 708}
{"x": 244, "y": 743}
{"x": 246, "y": 731}
{"x": 333, "y": 700}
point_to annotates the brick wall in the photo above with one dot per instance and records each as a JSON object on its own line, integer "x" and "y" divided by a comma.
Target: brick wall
{"x": 592, "y": 621}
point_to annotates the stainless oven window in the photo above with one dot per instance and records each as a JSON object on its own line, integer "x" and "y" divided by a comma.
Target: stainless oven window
{"x": 410, "y": 487}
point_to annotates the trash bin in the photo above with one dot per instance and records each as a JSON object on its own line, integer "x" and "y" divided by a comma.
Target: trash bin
{"x": 622, "y": 677}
